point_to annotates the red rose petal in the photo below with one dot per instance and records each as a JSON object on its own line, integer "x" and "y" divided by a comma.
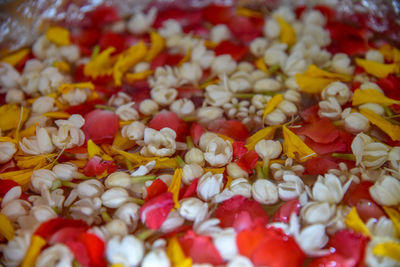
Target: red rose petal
{"x": 97, "y": 166}
{"x": 196, "y": 131}
{"x": 66, "y": 234}
{"x": 103, "y": 15}
{"x": 101, "y": 126}
{"x": 246, "y": 29}
{"x": 95, "y": 249}
{"x": 231, "y": 128}
{"x": 155, "y": 211}
{"x": 239, "y": 149}
{"x": 332, "y": 260}
{"x": 110, "y": 39}
{"x": 48, "y": 228}
{"x": 169, "y": 119}
{"x": 321, "y": 131}
{"x": 248, "y": 161}
{"x": 6, "y": 185}
{"x": 189, "y": 190}
{"x": 227, "y": 47}
{"x": 320, "y": 165}
{"x": 200, "y": 248}
{"x": 80, "y": 252}
{"x": 285, "y": 211}
{"x": 156, "y": 188}
{"x": 217, "y": 14}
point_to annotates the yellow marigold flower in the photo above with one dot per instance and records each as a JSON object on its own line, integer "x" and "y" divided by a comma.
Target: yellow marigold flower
{"x": 388, "y": 249}
{"x": 272, "y": 104}
{"x": 6, "y": 228}
{"x": 12, "y": 116}
{"x": 176, "y": 254}
{"x": 101, "y": 64}
{"x": 139, "y": 76}
{"x": 14, "y": 58}
{"x": 372, "y": 96}
{"x": 266, "y": 133}
{"x": 37, "y": 244}
{"x": 375, "y": 68}
{"x": 157, "y": 45}
{"x": 175, "y": 186}
{"x": 390, "y": 129}
{"x": 294, "y": 147}
{"x": 58, "y": 35}
{"x": 288, "y": 34}
{"x": 354, "y": 222}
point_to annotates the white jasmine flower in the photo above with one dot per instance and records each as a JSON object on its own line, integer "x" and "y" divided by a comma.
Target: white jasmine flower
{"x": 76, "y": 96}
{"x": 12, "y": 194}
{"x": 258, "y": 46}
{"x": 8, "y": 76}
{"x": 267, "y": 85}
{"x": 193, "y": 209}
{"x": 39, "y": 144}
{"x": 183, "y": 107}
{"x": 7, "y": 151}
{"x": 225, "y": 242}
{"x": 163, "y": 96}
{"x": 279, "y": 170}
{"x": 259, "y": 101}
{"x": 378, "y": 109}
{"x": 191, "y": 172}
{"x": 15, "y": 96}
{"x": 173, "y": 221}
{"x": 330, "y": 108}
{"x": 381, "y": 227}
{"x": 271, "y": 29}
{"x": 170, "y": 28}
{"x": 66, "y": 171}
{"x": 114, "y": 197}
{"x": 329, "y": 189}
{"x": 370, "y": 85}
{"x": 194, "y": 155}
{"x": 218, "y": 152}
{"x": 202, "y": 56}
{"x": 127, "y": 112}
{"x": 16, "y": 208}
{"x": 43, "y": 104}
{"x": 386, "y": 191}
{"x": 127, "y": 250}
{"x": 129, "y": 214}
{"x": 265, "y": 192}
{"x": 206, "y": 115}
{"x": 217, "y": 95}
{"x": 219, "y": 33}
{"x": 341, "y": 63}
{"x": 90, "y": 188}
{"x": 288, "y": 108}
{"x": 369, "y": 153}
{"x": 209, "y": 185}
{"x": 119, "y": 99}
{"x": 292, "y": 187}
{"x": 240, "y": 261}
{"x": 86, "y": 209}
{"x": 317, "y": 212}
{"x": 159, "y": 143}
{"x": 134, "y": 131}
{"x": 338, "y": 90}
{"x": 156, "y": 258}
{"x": 69, "y": 133}
{"x": 275, "y": 54}
{"x": 141, "y": 23}
{"x": 190, "y": 72}
{"x": 148, "y": 107}
{"x": 312, "y": 239}
{"x": 240, "y": 81}
{"x": 14, "y": 251}
{"x": 355, "y": 122}
{"x": 116, "y": 227}
{"x": 276, "y": 117}
{"x": 235, "y": 171}
{"x": 295, "y": 63}
{"x": 223, "y": 64}
{"x": 374, "y": 55}
{"x": 241, "y": 186}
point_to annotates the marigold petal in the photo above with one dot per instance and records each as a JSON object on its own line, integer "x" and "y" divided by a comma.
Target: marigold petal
{"x": 12, "y": 116}
{"x": 16, "y": 57}
{"x": 100, "y": 65}
{"x": 6, "y": 228}
{"x": 157, "y": 45}
{"x": 288, "y": 34}
{"x": 390, "y": 129}
{"x": 95, "y": 150}
{"x": 175, "y": 186}
{"x": 376, "y": 69}
{"x": 139, "y": 76}
{"x": 37, "y": 243}
{"x": 57, "y": 115}
{"x": 372, "y": 96}
{"x": 354, "y": 222}
{"x": 176, "y": 255}
{"x": 260, "y": 64}
{"x": 58, "y": 35}
{"x": 272, "y": 104}
{"x": 265, "y": 133}
{"x": 294, "y": 147}
{"x": 66, "y": 87}
{"x": 388, "y": 249}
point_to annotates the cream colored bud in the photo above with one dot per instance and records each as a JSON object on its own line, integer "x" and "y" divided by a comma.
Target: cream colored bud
{"x": 259, "y": 101}
{"x": 356, "y": 122}
{"x": 291, "y": 187}
{"x": 127, "y": 112}
{"x": 330, "y": 108}
{"x": 275, "y": 55}
{"x": 128, "y": 213}
{"x": 114, "y": 197}
{"x": 90, "y": 188}
{"x": 193, "y": 209}
{"x": 241, "y": 187}
{"x": 374, "y": 55}
{"x": 118, "y": 179}
{"x": 66, "y": 171}
{"x": 140, "y": 23}
{"x": 341, "y": 63}
{"x": 386, "y": 191}
{"x": 164, "y": 96}
{"x": 272, "y": 29}
{"x": 209, "y": 185}
{"x": 223, "y": 64}
{"x": 225, "y": 242}
{"x": 183, "y": 107}
{"x": 258, "y": 46}
{"x": 381, "y": 227}
{"x": 126, "y": 250}
{"x": 217, "y": 95}
{"x": 191, "y": 72}
{"x": 206, "y": 115}
{"x": 194, "y": 155}
{"x": 16, "y": 208}
{"x": 235, "y": 171}
{"x": 269, "y": 149}
{"x": 337, "y": 90}
{"x": 219, "y": 33}
{"x": 288, "y": 108}
{"x": 7, "y": 151}
{"x": 245, "y": 67}
{"x": 134, "y": 131}
{"x": 276, "y": 117}
{"x": 15, "y": 96}
{"x": 378, "y": 109}
{"x": 42, "y": 178}
{"x": 43, "y": 104}
{"x": 239, "y": 261}
{"x": 173, "y": 221}
{"x": 317, "y": 212}
{"x": 328, "y": 188}
{"x": 369, "y": 153}
{"x": 267, "y": 85}
{"x": 156, "y": 258}
{"x": 312, "y": 238}
{"x": 205, "y": 139}
{"x": 43, "y": 213}
{"x": 219, "y": 152}
{"x": 191, "y": 172}
{"x": 56, "y": 255}
{"x": 159, "y": 143}
{"x": 370, "y": 85}
{"x": 116, "y": 227}
{"x": 265, "y": 192}
{"x": 295, "y": 63}
{"x": 292, "y": 96}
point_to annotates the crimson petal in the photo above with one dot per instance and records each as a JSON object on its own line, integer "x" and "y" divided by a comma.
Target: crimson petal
{"x": 231, "y": 128}
{"x": 169, "y": 119}
{"x": 97, "y": 166}
{"x": 95, "y": 249}
{"x": 248, "y": 161}
{"x": 284, "y": 211}
{"x": 320, "y": 165}
{"x": 190, "y": 190}
{"x": 100, "y": 126}
{"x": 154, "y": 212}
{"x": 321, "y": 131}
{"x": 227, "y": 47}
{"x": 48, "y": 228}
{"x": 156, "y": 188}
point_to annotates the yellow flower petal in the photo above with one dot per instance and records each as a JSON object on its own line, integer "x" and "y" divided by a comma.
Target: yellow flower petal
{"x": 66, "y": 87}
{"x": 30, "y": 131}
{"x": 100, "y": 65}
{"x": 57, "y": 115}
{"x": 186, "y": 58}
{"x": 157, "y": 45}
{"x": 272, "y": 104}
{"x": 387, "y": 51}
{"x": 16, "y": 57}
{"x": 33, "y": 252}
{"x": 11, "y": 117}
{"x": 394, "y": 215}
{"x": 34, "y": 162}
{"x": 375, "y": 68}
{"x": 139, "y": 76}
{"x": 58, "y": 35}
{"x": 127, "y": 60}
{"x": 209, "y": 82}
{"x": 390, "y": 129}
{"x": 8, "y": 139}
{"x": 288, "y": 34}
{"x": 22, "y": 177}
{"x": 6, "y": 228}
{"x": 245, "y": 12}
{"x": 62, "y": 66}
{"x": 95, "y": 150}
{"x": 137, "y": 159}
{"x": 226, "y": 138}
{"x": 354, "y": 222}
{"x": 266, "y": 133}
{"x": 314, "y": 80}
{"x": 176, "y": 255}
{"x": 260, "y": 64}
{"x": 214, "y": 170}
{"x": 175, "y": 186}
{"x": 229, "y": 181}
{"x": 388, "y": 249}
{"x": 122, "y": 143}
{"x": 372, "y": 96}
{"x": 295, "y": 148}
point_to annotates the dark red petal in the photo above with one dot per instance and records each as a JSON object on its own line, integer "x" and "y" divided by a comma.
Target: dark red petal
{"x": 5, "y": 186}
{"x": 200, "y": 248}
{"x": 169, "y": 119}
{"x": 166, "y": 58}
{"x": 285, "y": 211}
{"x": 84, "y": 108}
{"x": 138, "y": 91}
{"x": 231, "y": 128}
{"x": 190, "y": 190}
{"x": 239, "y": 149}
{"x": 248, "y": 161}
{"x": 196, "y": 131}
{"x": 232, "y": 209}
{"x": 227, "y": 47}
{"x": 332, "y": 260}
{"x": 248, "y": 240}
{"x": 66, "y": 234}
{"x": 217, "y": 14}
{"x": 278, "y": 250}
{"x": 320, "y": 165}
{"x": 48, "y": 228}
{"x": 246, "y": 29}
{"x": 350, "y": 245}
{"x": 156, "y": 188}
{"x": 367, "y": 209}
{"x": 327, "y": 11}
{"x": 100, "y": 126}
{"x": 85, "y": 37}
{"x": 299, "y": 10}
{"x": 356, "y": 192}
{"x": 338, "y": 146}
{"x": 110, "y": 39}
{"x": 97, "y": 166}
{"x": 155, "y": 211}
{"x": 391, "y": 86}
{"x": 103, "y": 15}
{"x": 95, "y": 249}
{"x": 321, "y": 131}
{"x": 189, "y": 91}
{"x": 310, "y": 114}
{"x": 80, "y": 252}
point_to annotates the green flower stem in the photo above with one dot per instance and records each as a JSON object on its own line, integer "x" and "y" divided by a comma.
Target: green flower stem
{"x": 143, "y": 235}
{"x": 250, "y": 95}
{"x": 106, "y": 217}
{"x": 137, "y": 200}
{"x": 68, "y": 184}
{"x": 260, "y": 173}
{"x": 265, "y": 167}
{"x": 56, "y": 184}
{"x": 388, "y": 112}
{"x": 189, "y": 142}
{"x": 104, "y": 107}
{"x": 180, "y": 161}
{"x": 344, "y": 156}
{"x": 142, "y": 179}
{"x": 189, "y": 118}
{"x": 129, "y": 164}
{"x": 95, "y": 51}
